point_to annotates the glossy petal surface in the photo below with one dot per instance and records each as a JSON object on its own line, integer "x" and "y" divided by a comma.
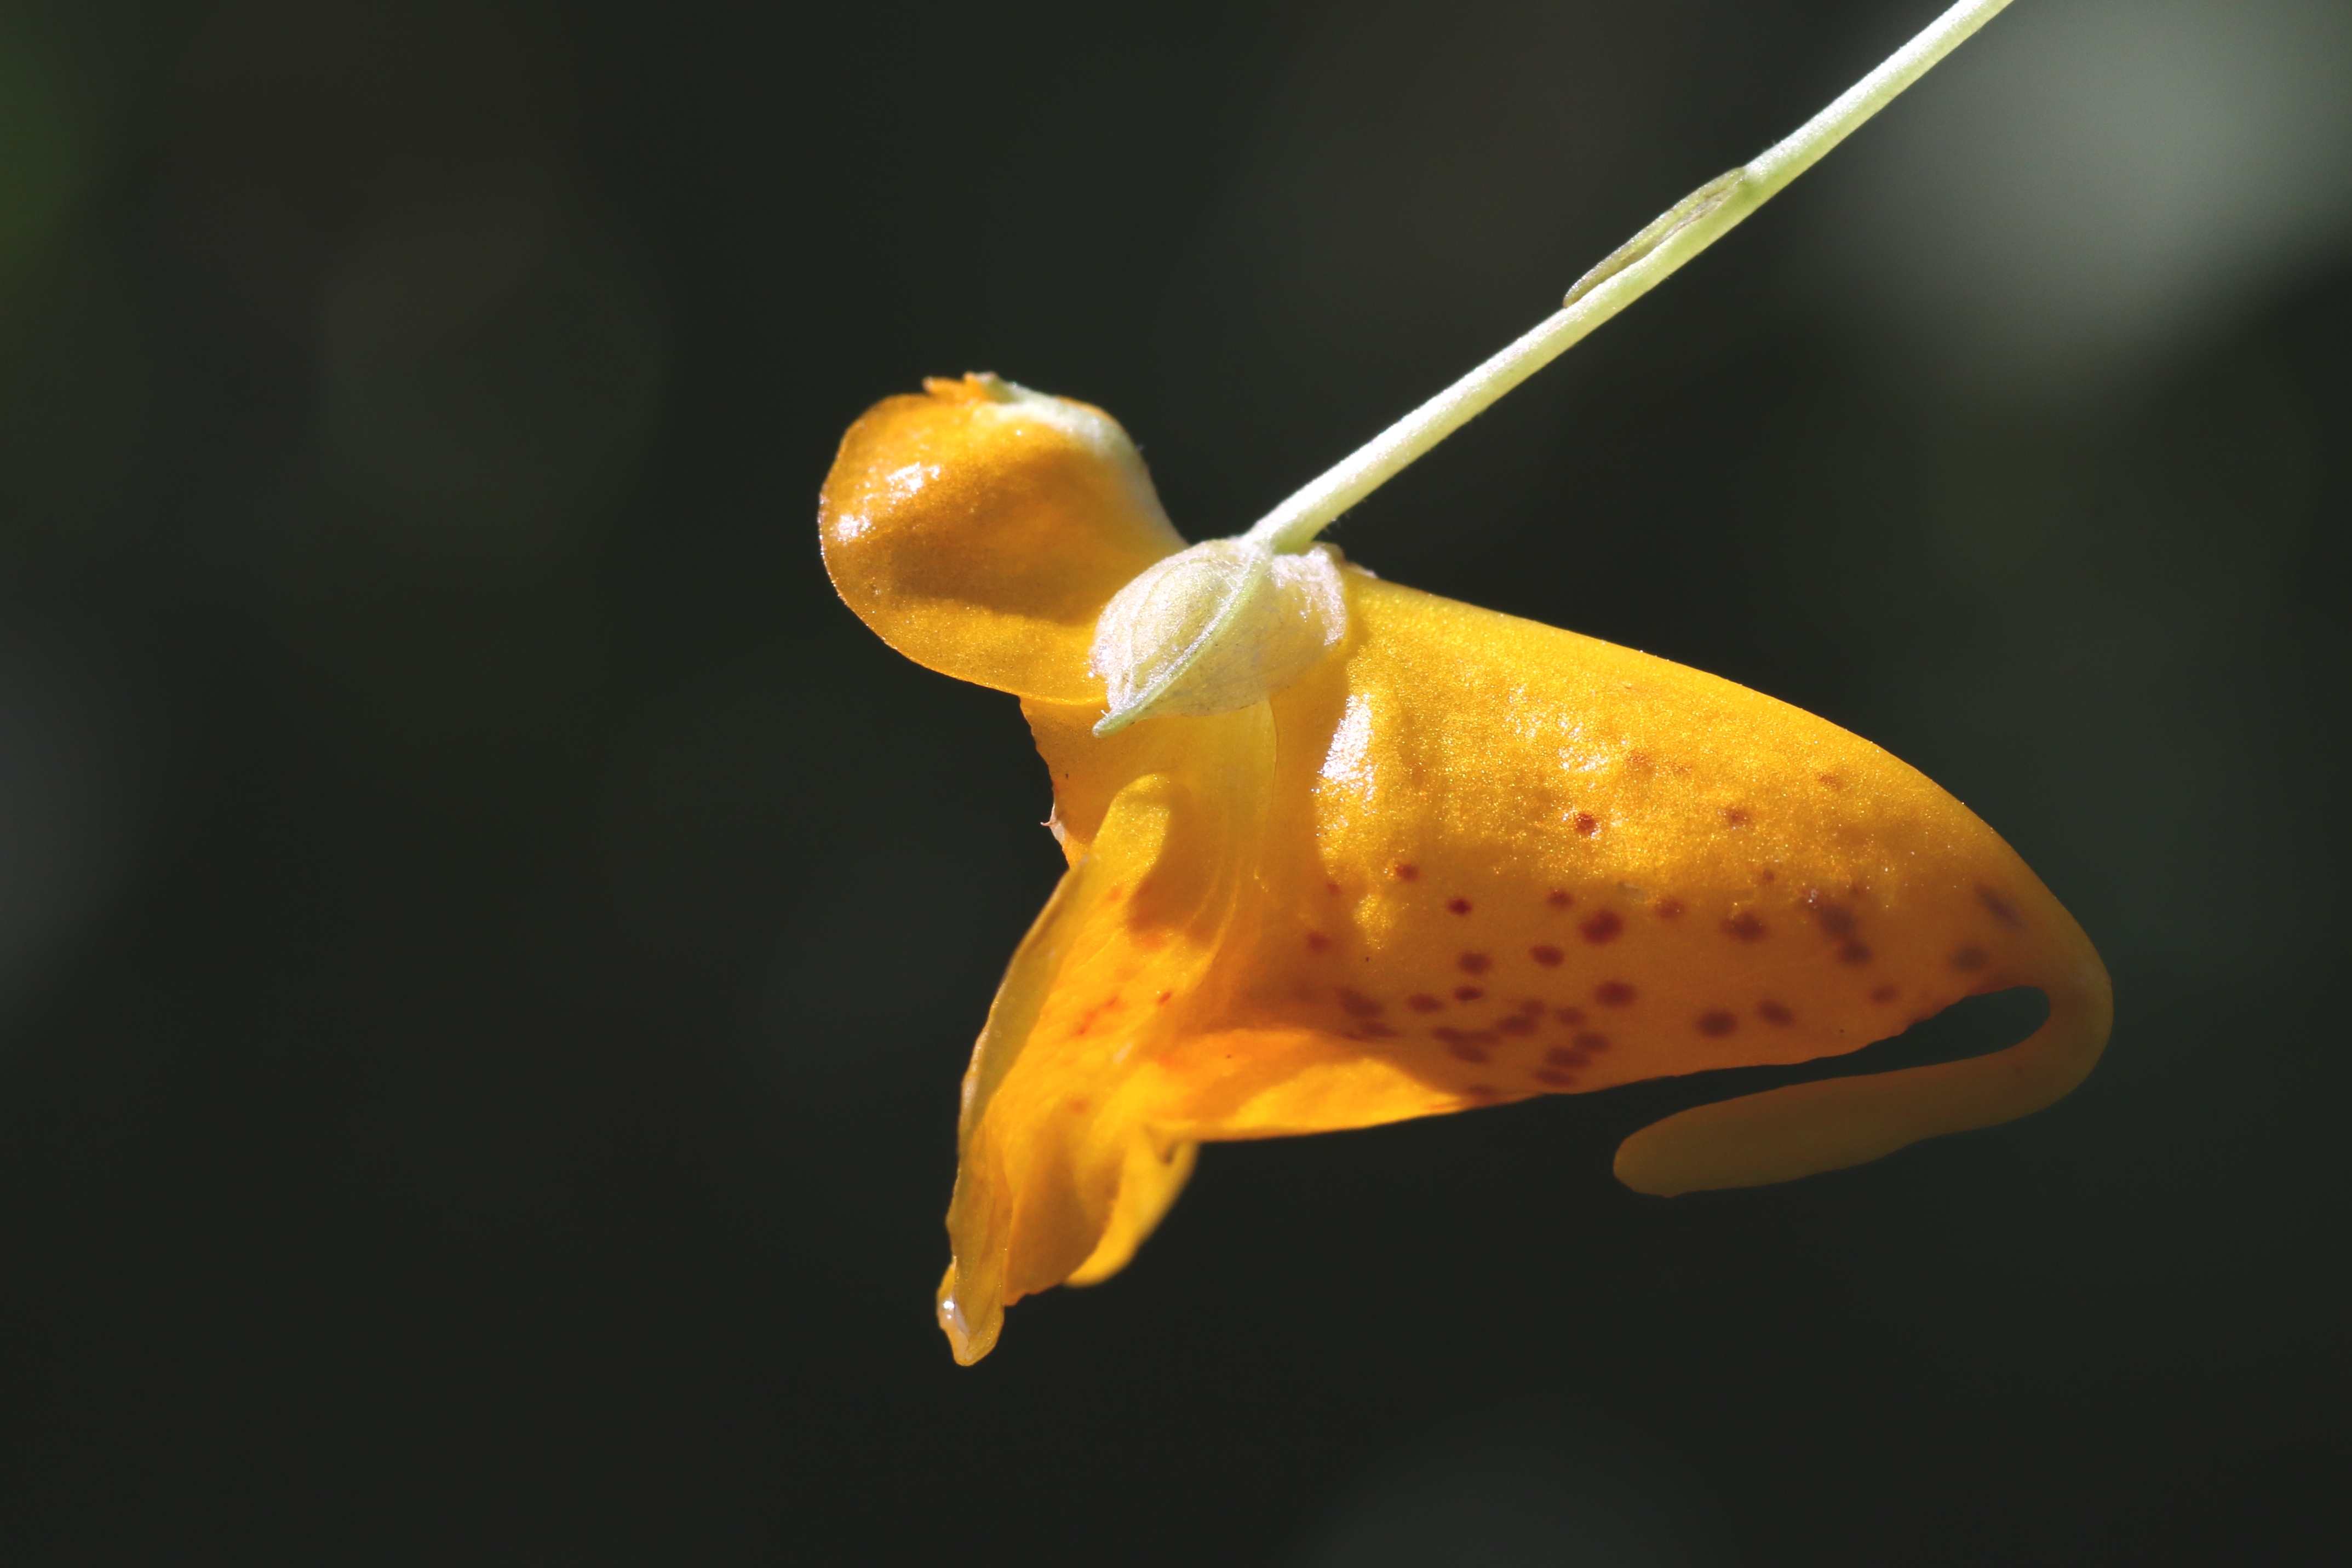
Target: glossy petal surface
{"x": 1467, "y": 859}
{"x": 980, "y": 527}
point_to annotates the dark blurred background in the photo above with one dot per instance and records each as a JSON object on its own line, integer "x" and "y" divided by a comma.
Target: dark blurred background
{"x": 488, "y": 943}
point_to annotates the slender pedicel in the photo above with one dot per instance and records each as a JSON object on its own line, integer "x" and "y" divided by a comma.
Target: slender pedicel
{"x": 1639, "y": 265}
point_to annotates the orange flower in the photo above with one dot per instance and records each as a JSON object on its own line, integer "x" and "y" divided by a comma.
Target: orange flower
{"x": 1462, "y": 859}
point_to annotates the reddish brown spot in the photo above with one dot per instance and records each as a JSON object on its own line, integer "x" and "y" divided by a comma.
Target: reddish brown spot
{"x": 1767, "y": 878}
{"x": 1602, "y": 927}
{"x": 1885, "y": 994}
{"x": 1517, "y": 1023}
{"x": 1473, "y": 963}
{"x": 1969, "y": 959}
{"x": 1422, "y": 1002}
{"x": 1469, "y": 1045}
{"x": 1078, "y": 1107}
{"x": 1482, "y": 1091}
{"x": 1549, "y": 958}
{"x": 1558, "y": 899}
{"x": 1671, "y": 908}
{"x": 1404, "y": 872}
{"x": 1744, "y": 928}
{"x": 1835, "y": 919}
{"x": 1560, "y": 1056}
{"x": 1717, "y": 1024}
{"x": 1458, "y": 905}
{"x": 1357, "y": 1004}
{"x": 1162, "y": 999}
{"x": 1556, "y": 1080}
{"x": 1854, "y": 953}
{"x": 1570, "y": 1016}
{"x": 1775, "y": 1014}
{"x": 1590, "y": 1041}
{"x": 1332, "y": 888}
{"x": 1734, "y": 817}
{"x": 1999, "y": 909}
{"x": 1317, "y": 942}
{"x": 1614, "y": 993}
{"x": 1831, "y": 781}
{"x": 1374, "y": 1031}
{"x": 1467, "y": 993}
{"x": 1587, "y": 823}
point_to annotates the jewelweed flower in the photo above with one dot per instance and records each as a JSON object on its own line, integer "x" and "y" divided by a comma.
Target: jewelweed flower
{"x": 1342, "y": 852}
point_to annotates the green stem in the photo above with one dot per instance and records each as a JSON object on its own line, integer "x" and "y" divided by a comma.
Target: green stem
{"x": 1648, "y": 259}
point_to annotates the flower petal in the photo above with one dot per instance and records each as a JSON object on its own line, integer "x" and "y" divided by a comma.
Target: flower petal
{"x": 980, "y": 527}
{"x": 1061, "y": 1175}
{"x": 1487, "y": 860}
{"x": 1462, "y": 859}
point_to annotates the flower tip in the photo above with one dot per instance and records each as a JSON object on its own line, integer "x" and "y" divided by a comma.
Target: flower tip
{"x": 979, "y": 528}
{"x": 969, "y": 1344}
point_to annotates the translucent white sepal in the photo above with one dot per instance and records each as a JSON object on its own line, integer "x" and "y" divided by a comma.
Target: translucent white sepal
{"x": 1216, "y": 628}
